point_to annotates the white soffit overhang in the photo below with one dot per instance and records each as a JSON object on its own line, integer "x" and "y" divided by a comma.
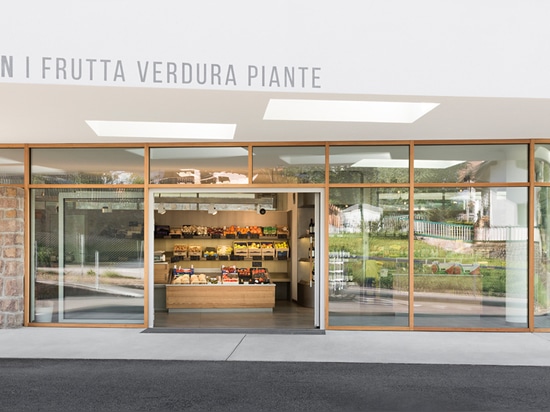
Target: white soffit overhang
{"x": 162, "y": 130}
{"x": 346, "y": 110}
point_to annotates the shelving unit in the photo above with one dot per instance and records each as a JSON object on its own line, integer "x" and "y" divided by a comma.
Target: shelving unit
{"x": 336, "y": 272}
{"x": 306, "y": 250}
{"x": 203, "y": 253}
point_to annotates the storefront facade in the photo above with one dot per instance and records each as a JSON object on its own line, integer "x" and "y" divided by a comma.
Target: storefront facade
{"x": 475, "y": 257}
{"x": 393, "y": 165}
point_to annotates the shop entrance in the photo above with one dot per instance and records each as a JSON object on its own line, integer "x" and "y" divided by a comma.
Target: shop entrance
{"x": 235, "y": 259}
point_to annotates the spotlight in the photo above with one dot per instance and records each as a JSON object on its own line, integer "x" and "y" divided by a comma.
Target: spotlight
{"x": 212, "y": 209}
{"x": 161, "y": 209}
{"x": 260, "y": 210}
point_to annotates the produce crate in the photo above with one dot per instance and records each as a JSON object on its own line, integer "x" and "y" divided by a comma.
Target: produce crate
{"x": 254, "y": 232}
{"x": 269, "y": 231}
{"x": 260, "y": 275}
{"x": 224, "y": 252}
{"x": 210, "y": 253}
{"x": 268, "y": 250}
{"x": 182, "y": 271}
{"x": 282, "y": 232}
{"x": 254, "y": 249}
{"x": 194, "y": 251}
{"x": 180, "y": 250}
{"x": 175, "y": 233}
{"x": 282, "y": 254}
{"x": 240, "y": 249}
{"x": 244, "y": 275}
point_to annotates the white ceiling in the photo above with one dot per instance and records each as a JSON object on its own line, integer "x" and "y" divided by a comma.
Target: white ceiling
{"x": 57, "y": 114}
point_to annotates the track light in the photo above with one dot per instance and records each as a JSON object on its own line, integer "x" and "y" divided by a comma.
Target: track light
{"x": 161, "y": 209}
{"x": 212, "y": 209}
{"x": 260, "y": 210}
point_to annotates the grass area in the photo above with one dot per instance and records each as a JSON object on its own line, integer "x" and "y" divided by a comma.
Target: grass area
{"x": 391, "y": 253}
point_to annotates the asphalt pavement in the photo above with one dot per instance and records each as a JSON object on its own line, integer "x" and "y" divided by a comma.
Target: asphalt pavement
{"x": 152, "y": 385}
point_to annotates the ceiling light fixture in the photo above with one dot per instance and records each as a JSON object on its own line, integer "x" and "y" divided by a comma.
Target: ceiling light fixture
{"x": 162, "y": 130}
{"x": 346, "y": 110}
{"x": 161, "y": 210}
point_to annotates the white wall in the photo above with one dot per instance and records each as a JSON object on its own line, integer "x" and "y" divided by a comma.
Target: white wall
{"x": 496, "y": 48}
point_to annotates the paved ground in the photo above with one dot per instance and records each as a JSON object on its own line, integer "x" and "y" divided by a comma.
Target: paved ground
{"x": 110, "y": 369}
{"x": 129, "y": 385}
{"x": 468, "y": 348}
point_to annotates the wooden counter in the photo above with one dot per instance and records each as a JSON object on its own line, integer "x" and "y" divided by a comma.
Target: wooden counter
{"x": 228, "y": 296}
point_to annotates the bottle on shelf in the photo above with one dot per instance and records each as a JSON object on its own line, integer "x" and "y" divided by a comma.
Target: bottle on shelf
{"x": 311, "y": 227}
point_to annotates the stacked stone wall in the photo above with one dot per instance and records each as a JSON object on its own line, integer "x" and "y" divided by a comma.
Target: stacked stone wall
{"x": 12, "y": 267}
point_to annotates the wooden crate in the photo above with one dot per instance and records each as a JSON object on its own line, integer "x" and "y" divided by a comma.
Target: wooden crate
{"x": 162, "y": 272}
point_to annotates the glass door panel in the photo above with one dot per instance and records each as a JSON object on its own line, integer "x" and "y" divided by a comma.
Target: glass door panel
{"x": 88, "y": 248}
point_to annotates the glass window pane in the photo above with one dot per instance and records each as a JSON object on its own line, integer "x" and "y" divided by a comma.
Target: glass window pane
{"x": 87, "y": 248}
{"x": 289, "y": 164}
{"x": 470, "y": 257}
{"x": 199, "y": 165}
{"x": 470, "y": 163}
{"x": 542, "y": 162}
{"x": 368, "y": 261}
{"x": 542, "y": 254}
{"x": 369, "y": 164}
{"x": 12, "y": 166}
{"x": 87, "y": 166}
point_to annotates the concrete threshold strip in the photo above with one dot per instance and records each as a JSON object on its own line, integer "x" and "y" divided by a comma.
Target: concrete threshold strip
{"x": 246, "y": 331}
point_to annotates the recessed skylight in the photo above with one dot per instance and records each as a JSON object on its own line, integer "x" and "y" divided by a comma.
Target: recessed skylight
{"x": 346, "y": 110}
{"x": 162, "y": 130}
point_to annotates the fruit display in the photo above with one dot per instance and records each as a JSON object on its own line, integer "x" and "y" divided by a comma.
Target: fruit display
{"x": 281, "y": 250}
{"x": 243, "y": 232}
{"x": 195, "y": 250}
{"x": 230, "y": 274}
{"x": 269, "y": 231}
{"x": 240, "y": 249}
{"x": 268, "y": 249}
{"x": 210, "y": 253}
{"x": 183, "y": 271}
{"x": 215, "y": 232}
{"x": 255, "y": 232}
{"x": 282, "y": 231}
{"x": 180, "y": 250}
{"x": 224, "y": 250}
{"x": 181, "y": 280}
{"x": 254, "y": 249}
{"x": 175, "y": 233}
{"x": 259, "y": 275}
{"x": 229, "y": 232}
{"x": 281, "y": 245}
{"x": 244, "y": 275}
{"x": 193, "y": 230}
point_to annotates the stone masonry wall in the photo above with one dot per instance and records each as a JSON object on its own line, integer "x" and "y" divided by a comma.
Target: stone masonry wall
{"x": 11, "y": 256}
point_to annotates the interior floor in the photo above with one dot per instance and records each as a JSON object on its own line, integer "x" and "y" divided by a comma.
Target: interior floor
{"x": 285, "y": 315}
